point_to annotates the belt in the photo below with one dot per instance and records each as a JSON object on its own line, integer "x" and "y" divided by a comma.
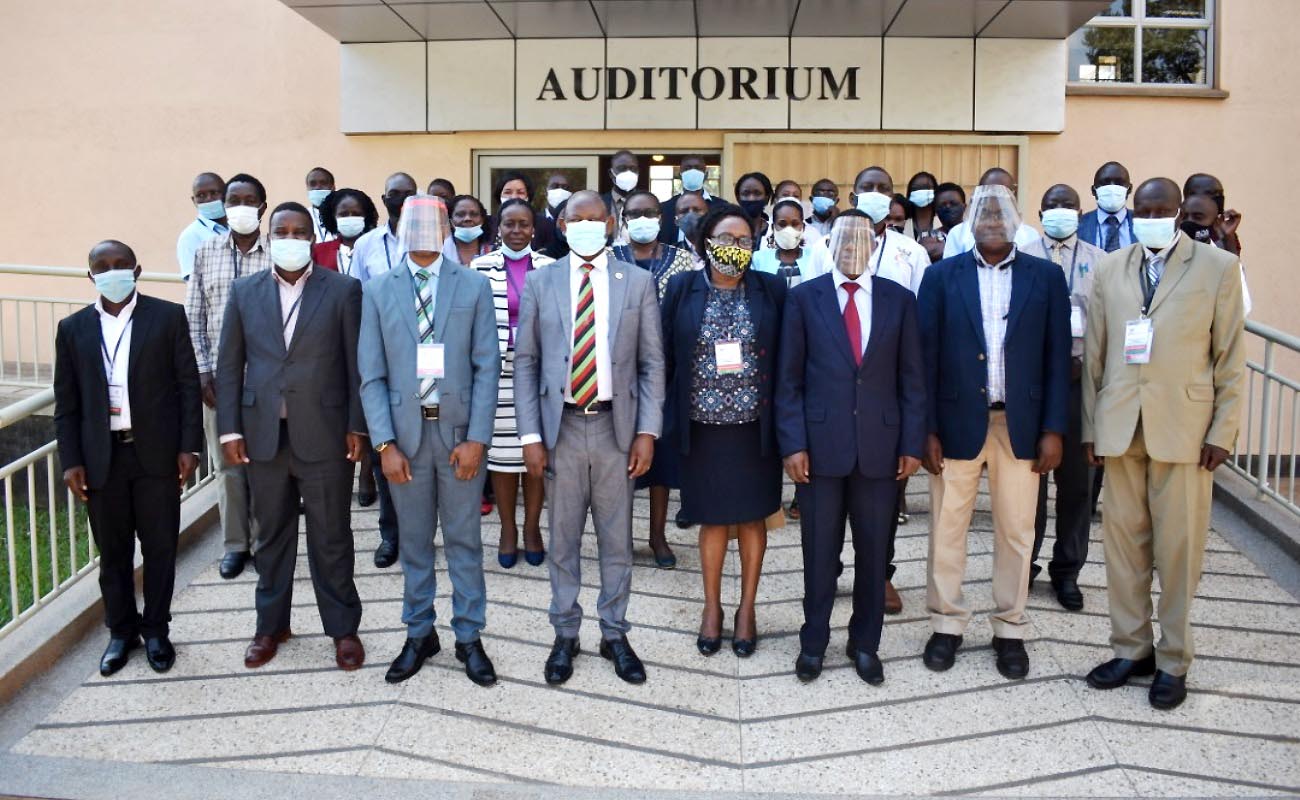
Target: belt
{"x": 429, "y": 412}
{"x": 594, "y": 407}
{"x": 122, "y": 437}
{"x": 998, "y": 406}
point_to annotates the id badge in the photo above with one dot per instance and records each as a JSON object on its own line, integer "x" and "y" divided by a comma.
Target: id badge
{"x": 1076, "y": 320}
{"x": 429, "y": 361}
{"x": 1138, "y": 334}
{"x": 727, "y": 353}
{"x": 115, "y": 397}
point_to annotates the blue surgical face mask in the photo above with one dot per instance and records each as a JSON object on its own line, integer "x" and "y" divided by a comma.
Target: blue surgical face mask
{"x": 317, "y": 196}
{"x": 874, "y": 205}
{"x": 692, "y": 180}
{"x": 469, "y": 234}
{"x": 586, "y": 237}
{"x": 822, "y": 205}
{"x": 212, "y": 210}
{"x": 350, "y": 227}
{"x": 509, "y": 252}
{"x": 1060, "y": 223}
{"x": 921, "y": 197}
{"x": 1155, "y": 234}
{"x": 643, "y": 230}
{"x": 116, "y": 284}
{"x": 1111, "y": 197}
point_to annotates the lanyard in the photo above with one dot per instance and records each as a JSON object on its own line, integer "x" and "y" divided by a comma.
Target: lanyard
{"x": 1074, "y": 258}
{"x": 235, "y": 258}
{"x": 293, "y": 309}
{"x": 111, "y": 360}
{"x": 387, "y": 255}
{"x": 880, "y": 258}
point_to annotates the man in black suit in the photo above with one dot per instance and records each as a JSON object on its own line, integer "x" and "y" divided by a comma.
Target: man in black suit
{"x": 130, "y": 427}
{"x": 694, "y": 171}
{"x": 288, "y": 406}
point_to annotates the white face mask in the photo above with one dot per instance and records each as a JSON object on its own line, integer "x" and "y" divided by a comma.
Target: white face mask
{"x": 643, "y": 230}
{"x": 1155, "y": 234}
{"x": 291, "y": 255}
{"x": 350, "y": 227}
{"x": 586, "y": 237}
{"x": 510, "y": 252}
{"x": 556, "y": 196}
{"x": 242, "y": 219}
{"x": 788, "y": 238}
{"x": 921, "y": 197}
{"x": 1111, "y": 197}
{"x": 874, "y": 205}
{"x": 626, "y": 180}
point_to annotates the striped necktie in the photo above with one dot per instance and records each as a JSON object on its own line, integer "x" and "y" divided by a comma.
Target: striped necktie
{"x": 1155, "y": 270}
{"x": 424, "y": 320}
{"x": 1111, "y": 243}
{"x": 582, "y": 378}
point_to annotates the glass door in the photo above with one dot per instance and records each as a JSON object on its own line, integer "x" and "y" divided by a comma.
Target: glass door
{"x": 582, "y": 171}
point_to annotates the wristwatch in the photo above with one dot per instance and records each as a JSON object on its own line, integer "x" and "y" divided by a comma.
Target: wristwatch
{"x": 379, "y": 448}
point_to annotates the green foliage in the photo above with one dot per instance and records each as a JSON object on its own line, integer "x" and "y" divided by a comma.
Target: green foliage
{"x": 70, "y": 558}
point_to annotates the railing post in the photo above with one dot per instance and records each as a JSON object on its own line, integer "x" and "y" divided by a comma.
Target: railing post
{"x": 1265, "y": 409}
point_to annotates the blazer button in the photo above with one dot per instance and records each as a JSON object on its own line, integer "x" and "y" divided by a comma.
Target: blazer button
{"x": 980, "y": 356}
{"x": 859, "y": 381}
{"x": 984, "y": 391}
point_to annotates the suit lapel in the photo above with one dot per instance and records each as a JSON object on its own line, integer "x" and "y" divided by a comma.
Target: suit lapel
{"x": 311, "y": 299}
{"x": 698, "y": 298}
{"x": 560, "y": 294}
{"x": 1022, "y": 284}
{"x": 968, "y": 285}
{"x": 400, "y": 289}
{"x": 617, "y": 297}
{"x": 447, "y": 278}
{"x": 880, "y": 313}
{"x": 1175, "y": 269}
{"x": 141, "y": 319}
{"x": 829, "y": 306}
{"x": 269, "y": 299}
{"x": 92, "y": 347}
{"x": 753, "y": 292}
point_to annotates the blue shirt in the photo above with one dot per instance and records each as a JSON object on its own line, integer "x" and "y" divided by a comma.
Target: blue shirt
{"x": 376, "y": 252}
{"x": 195, "y": 234}
{"x": 1125, "y": 238}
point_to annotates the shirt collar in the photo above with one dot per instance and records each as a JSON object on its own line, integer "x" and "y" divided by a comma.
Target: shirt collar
{"x": 298, "y": 284}
{"x": 260, "y": 244}
{"x": 979, "y": 258}
{"x": 1168, "y": 251}
{"x": 863, "y": 280}
{"x": 1120, "y": 215}
{"x": 124, "y": 314}
{"x": 600, "y": 263}
{"x": 435, "y": 269}
{"x": 211, "y": 224}
{"x": 1068, "y": 244}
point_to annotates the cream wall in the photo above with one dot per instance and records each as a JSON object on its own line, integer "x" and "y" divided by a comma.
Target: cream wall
{"x": 111, "y": 107}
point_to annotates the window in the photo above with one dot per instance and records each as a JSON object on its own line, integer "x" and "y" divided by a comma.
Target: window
{"x": 1135, "y": 42}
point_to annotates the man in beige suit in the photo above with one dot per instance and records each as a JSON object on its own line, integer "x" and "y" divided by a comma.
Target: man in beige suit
{"x": 1163, "y": 364}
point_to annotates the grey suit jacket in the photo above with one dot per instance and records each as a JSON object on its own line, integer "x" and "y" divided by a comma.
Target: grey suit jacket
{"x": 464, "y": 321}
{"x": 544, "y": 343}
{"x": 315, "y": 377}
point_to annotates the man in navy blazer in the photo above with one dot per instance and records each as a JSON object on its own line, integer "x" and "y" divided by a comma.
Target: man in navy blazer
{"x": 850, "y": 373}
{"x": 995, "y": 325}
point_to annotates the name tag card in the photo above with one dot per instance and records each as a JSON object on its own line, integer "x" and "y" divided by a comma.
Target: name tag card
{"x": 727, "y": 353}
{"x": 1138, "y": 334}
{"x": 1077, "y": 325}
{"x": 115, "y": 397}
{"x": 429, "y": 361}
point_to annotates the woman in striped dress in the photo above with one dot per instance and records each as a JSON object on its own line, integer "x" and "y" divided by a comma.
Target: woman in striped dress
{"x": 506, "y": 268}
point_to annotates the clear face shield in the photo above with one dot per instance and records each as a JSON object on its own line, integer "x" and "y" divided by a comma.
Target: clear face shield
{"x": 993, "y": 216}
{"x": 853, "y": 239}
{"x": 424, "y": 224}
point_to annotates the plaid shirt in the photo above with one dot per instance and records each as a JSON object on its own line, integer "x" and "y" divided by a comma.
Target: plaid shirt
{"x": 216, "y": 265}
{"x": 995, "y": 304}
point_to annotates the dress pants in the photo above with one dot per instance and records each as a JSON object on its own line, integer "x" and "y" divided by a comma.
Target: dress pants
{"x": 387, "y": 511}
{"x": 823, "y": 503}
{"x": 325, "y": 489}
{"x": 1073, "y": 501}
{"x": 232, "y": 492}
{"x": 130, "y": 504}
{"x": 588, "y": 471}
{"x": 1013, "y": 488}
{"x": 433, "y": 497}
{"x": 900, "y": 502}
{"x": 1157, "y": 514}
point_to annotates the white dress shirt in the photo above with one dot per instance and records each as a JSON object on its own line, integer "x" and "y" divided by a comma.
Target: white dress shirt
{"x": 995, "y": 304}
{"x": 600, "y": 288}
{"x": 861, "y": 299}
{"x": 900, "y": 259}
{"x": 376, "y": 252}
{"x": 115, "y": 350}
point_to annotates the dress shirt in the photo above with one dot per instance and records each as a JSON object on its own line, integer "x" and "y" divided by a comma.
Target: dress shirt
{"x": 195, "y": 234}
{"x": 217, "y": 264}
{"x": 861, "y": 299}
{"x": 900, "y": 259}
{"x": 995, "y": 304}
{"x": 343, "y": 259}
{"x": 1078, "y": 262}
{"x": 961, "y": 240}
{"x": 435, "y": 272}
{"x": 322, "y": 235}
{"x": 1125, "y": 239}
{"x": 376, "y": 252}
{"x": 822, "y": 226}
{"x": 115, "y": 338}
{"x": 812, "y": 261}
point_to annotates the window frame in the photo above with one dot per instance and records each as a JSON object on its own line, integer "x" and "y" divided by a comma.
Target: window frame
{"x": 1138, "y": 21}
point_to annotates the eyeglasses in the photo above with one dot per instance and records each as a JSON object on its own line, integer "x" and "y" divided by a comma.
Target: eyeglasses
{"x": 646, "y": 213}
{"x": 727, "y": 240}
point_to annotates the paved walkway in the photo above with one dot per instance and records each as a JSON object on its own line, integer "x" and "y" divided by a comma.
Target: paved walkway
{"x": 720, "y": 723}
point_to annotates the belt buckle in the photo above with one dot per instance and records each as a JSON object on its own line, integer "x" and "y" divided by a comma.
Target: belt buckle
{"x": 589, "y": 410}
{"x": 429, "y": 412}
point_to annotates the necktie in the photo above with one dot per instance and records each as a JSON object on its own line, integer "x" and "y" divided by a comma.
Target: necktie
{"x": 1155, "y": 270}
{"x": 1111, "y": 243}
{"x": 852, "y": 326}
{"x": 1058, "y": 254}
{"x": 582, "y": 377}
{"x": 424, "y": 320}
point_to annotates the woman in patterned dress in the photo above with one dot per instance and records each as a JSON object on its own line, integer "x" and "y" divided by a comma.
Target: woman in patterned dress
{"x": 506, "y": 268}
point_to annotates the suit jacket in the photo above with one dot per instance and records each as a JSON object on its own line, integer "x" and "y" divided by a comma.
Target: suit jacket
{"x": 668, "y": 217}
{"x": 315, "y": 377}
{"x": 1088, "y": 224}
{"x": 544, "y": 343}
{"x": 822, "y": 394}
{"x": 1036, "y": 347}
{"x": 162, "y": 383}
{"x": 464, "y": 322}
{"x": 683, "y": 314}
{"x": 1190, "y": 393}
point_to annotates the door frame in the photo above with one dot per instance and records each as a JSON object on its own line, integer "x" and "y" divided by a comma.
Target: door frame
{"x": 483, "y": 161}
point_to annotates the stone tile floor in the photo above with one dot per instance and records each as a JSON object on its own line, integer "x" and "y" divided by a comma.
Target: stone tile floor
{"x": 716, "y": 723}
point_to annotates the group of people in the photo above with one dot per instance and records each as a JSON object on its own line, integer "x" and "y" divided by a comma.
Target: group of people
{"x": 583, "y": 347}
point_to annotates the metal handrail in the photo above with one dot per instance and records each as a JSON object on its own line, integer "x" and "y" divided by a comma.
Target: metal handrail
{"x": 26, "y": 407}
{"x": 1264, "y": 466}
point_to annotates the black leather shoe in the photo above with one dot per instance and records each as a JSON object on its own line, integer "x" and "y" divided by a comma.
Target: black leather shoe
{"x": 808, "y": 667}
{"x": 1068, "y": 594}
{"x": 385, "y": 555}
{"x": 683, "y": 521}
{"x": 1013, "y": 661}
{"x": 477, "y": 664}
{"x": 1167, "y": 691}
{"x": 559, "y": 666}
{"x": 867, "y": 664}
{"x": 1034, "y": 569}
{"x": 1116, "y": 672}
{"x": 744, "y": 648}
{"x": 708, "y": 647}
{"x": 941, "y": 651}
{"x": 117, "y": 654}
{"x": 159, "y": 651}
{"x": 367, "y": 498}
{"x": 232, "y": 564}
{"x": 626, "y": 664}
{"x": 412, "y": 657}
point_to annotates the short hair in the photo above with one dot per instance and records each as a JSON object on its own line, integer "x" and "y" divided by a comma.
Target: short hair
{"x": 513, "y": 175}
{"x": 991, "y": 171}
{"x": 448, "y": 185}
{"x": 923, "y": 174}
{"x": 244, "y": 177}
{"x": 329, "y": 209}
{"x": 1164, "y": 183}
{"x": 293, "y": 206}
{"x": 624, "y": 152}
{"x": 516, "y": 202}
{"x": 949, "y": 186}
{"x": 201, "y": 176}
{"x": 876, "y": 167}
{"x": 789, "y": 182}
{"x": 758, "y": 176}
{"x": 835, "y": 185}
{"x": 1198, "y": 176}
{"x": 584, "y": 195}
{"x": 322, "y": 169}
{"x": 111, "y": 243}
{"x": 406, "y": 175}
{"x": 718, "y": 214}
{"x": 639, "y": 193}
{"x": 1107, "y": 165}
{"x": 787, "y": 202}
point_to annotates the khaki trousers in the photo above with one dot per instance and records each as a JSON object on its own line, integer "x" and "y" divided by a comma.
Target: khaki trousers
{"x": 1013, "y": 487}
{"x": 1155, "y": 514}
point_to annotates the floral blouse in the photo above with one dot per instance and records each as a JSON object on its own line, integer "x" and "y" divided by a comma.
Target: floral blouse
{"x": 730, "y": 399}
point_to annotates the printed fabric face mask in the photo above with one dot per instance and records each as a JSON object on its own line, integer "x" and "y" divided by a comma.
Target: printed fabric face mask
{"x": 730, "y": 259}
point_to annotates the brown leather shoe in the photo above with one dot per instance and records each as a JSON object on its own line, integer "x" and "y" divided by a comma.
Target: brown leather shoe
{"x": 348, "y": 653}
{"x": 893, "y": 603}
{"x": 263, "y": 649}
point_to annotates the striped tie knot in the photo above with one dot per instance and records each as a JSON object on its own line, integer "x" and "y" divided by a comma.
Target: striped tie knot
{"x": 422, "y": 275}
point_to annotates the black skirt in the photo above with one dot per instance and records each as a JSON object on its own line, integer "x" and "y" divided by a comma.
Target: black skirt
{"x": 663, "y": 469}
{"x": 725, "y": 478}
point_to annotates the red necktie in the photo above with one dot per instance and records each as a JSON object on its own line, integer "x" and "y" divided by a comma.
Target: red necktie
{"x": 851, "y": 324}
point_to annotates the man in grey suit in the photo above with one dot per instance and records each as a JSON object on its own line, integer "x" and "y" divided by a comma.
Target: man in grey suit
{"x": 589, "y": 394}
{"x": 288, "y": 407}
{"x": 429, "y": 368}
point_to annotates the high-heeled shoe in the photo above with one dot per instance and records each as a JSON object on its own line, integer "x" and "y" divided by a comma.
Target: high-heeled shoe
{"x": 534, "y": 557}
{"x": 709, "y": 645}
{"x": 507, "y": 560}
{"x": 744, "y": 648}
